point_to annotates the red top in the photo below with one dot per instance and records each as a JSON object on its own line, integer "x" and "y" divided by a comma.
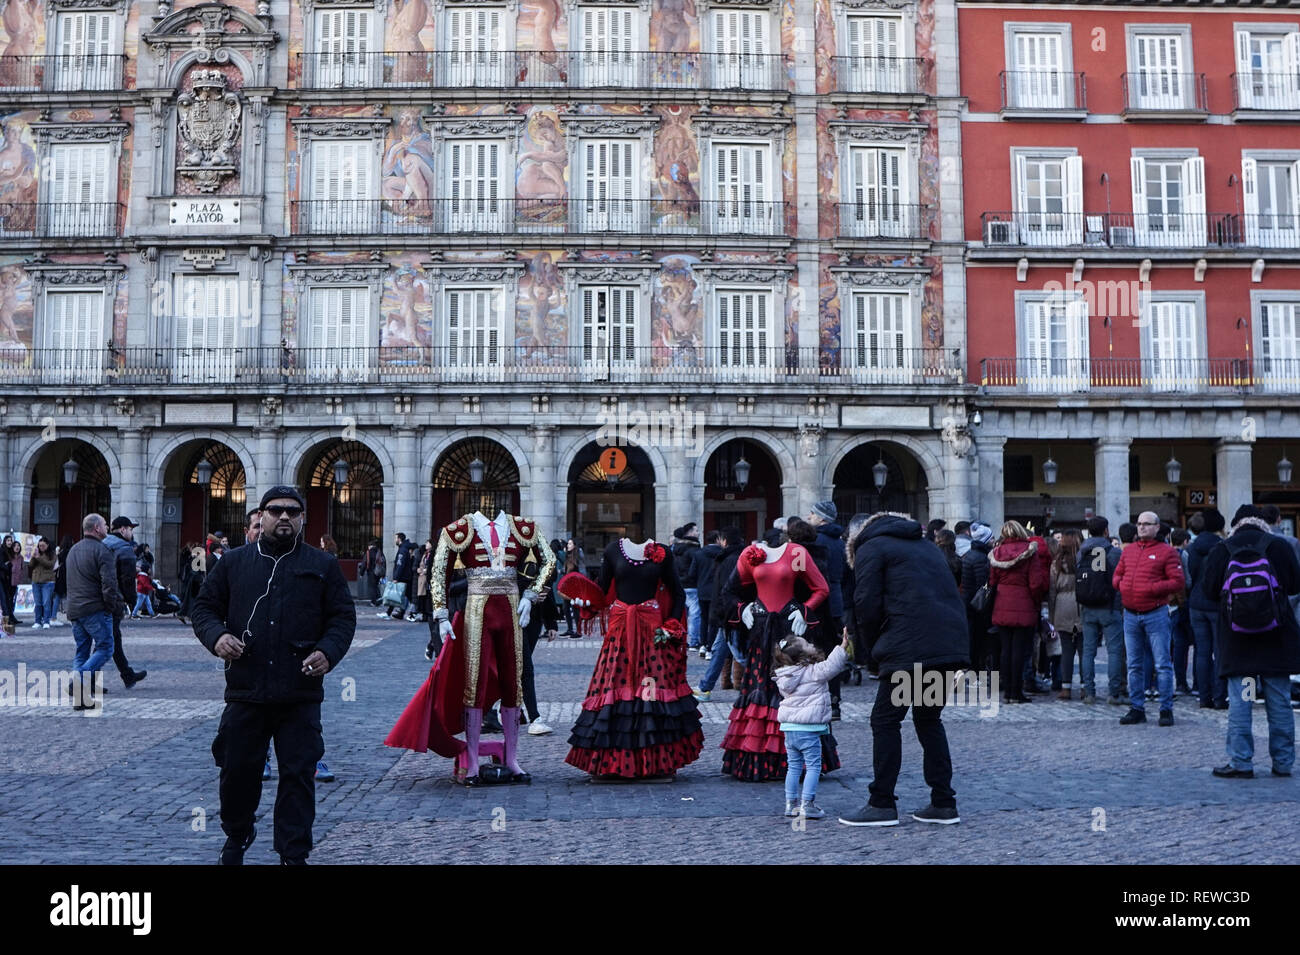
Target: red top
{"x": 775, "y": 579}
{"x": 1149, "y": 573}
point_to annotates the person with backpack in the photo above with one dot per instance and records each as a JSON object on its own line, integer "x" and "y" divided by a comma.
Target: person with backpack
{"x": 1203, "y": 609}
{"x": 1148, "y": 574}
{"x": 1252, "y": 573}
{"x": 1100, "y": 613}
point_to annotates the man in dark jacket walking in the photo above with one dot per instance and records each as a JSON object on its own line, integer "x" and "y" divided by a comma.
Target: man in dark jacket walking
{"x": 701, "y": 575}
{"x": 280, "y": 614}
{"x": 722, "y": 608}
{"x": 93, "y": 598}
{"x": 1260, "y": 661}
{"x": 974, "y": 575}
{"x": 120, "y": 541}
{"x": 686, "y": 542}
{"x": 1149, "y": 572}
{"x": 1101, "y": 617}
{"x": 1203, "y": 610}
{"x": 910, "y": 616}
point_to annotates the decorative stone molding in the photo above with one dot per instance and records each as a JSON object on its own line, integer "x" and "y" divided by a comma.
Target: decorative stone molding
{"x": 745, "y": 405}
{"x": 225, "y": 34}
{"x": 471, "y": 404}
{"x": 55, "y": 7}
{"x": 817, "y": 406}
{"x": 272, "y": 405}
{"x": 457, "y": 273}
{"x": 124, "y": 405}
{"x": 342, "y": 274}
{"x": 582, "y": 124}
{"x": 309, "y": 128}
{"x": 204, "y": 257}
{"x": 856, "y": 131}
{"x": 750, "y": 127}
{"x": 47, "y": 274}
{"x": 542, "y": 405}
{"x": 380, "y": 6}
{"x": 869, "y": 5}
{"x": 46, "y": 132}
{"x": 810, "y": 438}
{"x": 571, "y": 6}
{"x": 890, "y": 278}
{"x": 731, "y": 274}
{"x": 591, "y": 272}
{"x": 65, "y": 406}
{"x": 402, "y": 404}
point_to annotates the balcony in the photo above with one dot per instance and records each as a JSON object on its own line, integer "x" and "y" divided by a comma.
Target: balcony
{"x": 1266, "y": 96}
{"x": 896, "y": 75}
{"x": 1059, "y": 376}
{"x": 1043, "y": 94}
{"x": 870, "y": 219}
{"x": 1161, "y": 94}
{"x": 72, "y": 220}
{"x": 61, "y": 74}
{"x": 525, "y": 69}
{"x": 1112, "y": 230}
{"x": 416, "y": 365}
{"x": 541, "y": 216}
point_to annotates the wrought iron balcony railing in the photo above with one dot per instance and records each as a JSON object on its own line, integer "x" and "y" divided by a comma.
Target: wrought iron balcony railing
{"x": 1115, "y": 230}
{"x": 1275, "y": 92}
{"x": 874, "y": 219}
{"x": 521, "y": 69}
{"x": 61, "y": 74}
{"x": 59, "y": 219}
{"x": 751, "y": 360}
{"x": 878, "y": 74}
{"x": 1150, "y": 375}
{"x": 1043, "y": 90}
{"x": 1164, "y": 91}
{"x": 486, "y": 214}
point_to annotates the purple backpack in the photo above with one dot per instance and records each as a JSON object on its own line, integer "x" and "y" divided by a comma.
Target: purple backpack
{"x": 1251, "y": 593}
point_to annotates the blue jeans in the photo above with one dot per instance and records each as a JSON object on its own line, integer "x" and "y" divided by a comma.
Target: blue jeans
{"x": 692, "y": 617}
{"x": 1281, "y": 722}
{"x": 93, "y": 631}
{"x": 1149, "y": 633}
{"x": 721, "y": 658}
{"x": 43, "y": 598}
{"x": 1102, "y": 623}
{"x": 143, "y": 599}
{"x": 1205, "y": 634}
{"x": 803, "y": 754}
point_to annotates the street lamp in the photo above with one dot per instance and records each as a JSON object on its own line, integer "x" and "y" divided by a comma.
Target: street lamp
{"x": 1050, "y": 469}
{"x": 203, "y": 471}
{"x": 742, "y": 471}
{"x": 880, "y": 472}
{"x": 476, "y": 471}
{"x": 1173, "y": 468}
{"x": 1284, "y": 469}
{"x": 341, "y": 470}
{"x": 70, "y": 470}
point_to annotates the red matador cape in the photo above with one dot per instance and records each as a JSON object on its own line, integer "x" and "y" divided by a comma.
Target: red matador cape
{"x": 484, "y": 663}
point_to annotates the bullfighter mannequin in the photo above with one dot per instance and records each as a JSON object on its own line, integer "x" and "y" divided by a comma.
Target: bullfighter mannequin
{"x": 482, "y": 657}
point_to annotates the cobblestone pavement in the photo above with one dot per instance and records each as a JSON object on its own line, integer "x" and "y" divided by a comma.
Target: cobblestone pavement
{"x": 1050, "y": 782}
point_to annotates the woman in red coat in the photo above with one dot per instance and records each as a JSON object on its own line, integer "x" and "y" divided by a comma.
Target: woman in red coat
{"x": 1019, "y": 582}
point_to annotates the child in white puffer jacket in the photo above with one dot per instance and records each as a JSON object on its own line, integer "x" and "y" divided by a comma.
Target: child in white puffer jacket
{"x": 805, "y": 714}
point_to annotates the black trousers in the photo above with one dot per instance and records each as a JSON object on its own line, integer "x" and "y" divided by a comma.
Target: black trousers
{"x": 119, "y": 655}
{"x": 1016, "y": 644}
{"x": 240, "y": 749}
{"x": 532, "y": 633}
{"x": 887, "y": 746}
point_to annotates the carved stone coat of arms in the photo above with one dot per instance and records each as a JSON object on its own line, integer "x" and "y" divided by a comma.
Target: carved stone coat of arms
{"x": 209, "y": 124}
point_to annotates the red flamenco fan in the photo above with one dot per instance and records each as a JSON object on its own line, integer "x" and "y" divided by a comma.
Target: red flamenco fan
{"x": 576, "y": 586}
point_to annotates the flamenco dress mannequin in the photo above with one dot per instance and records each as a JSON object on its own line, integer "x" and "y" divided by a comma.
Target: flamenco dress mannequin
{"x": 482, "y": 656}
{"x": 640, "y": 718}
{"x": 754, "y": 745}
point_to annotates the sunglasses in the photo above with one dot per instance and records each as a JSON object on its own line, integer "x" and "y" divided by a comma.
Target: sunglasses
{"x": 288, "y": 511}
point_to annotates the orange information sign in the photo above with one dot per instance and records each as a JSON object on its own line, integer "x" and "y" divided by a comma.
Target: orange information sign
{"x": 613, "y": 461}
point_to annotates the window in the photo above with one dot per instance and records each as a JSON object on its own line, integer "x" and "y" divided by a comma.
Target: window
{"x": 1018, "y": 472}
{"x": 474, "y": 186}
{"x": 1278, "y": 366}
{"x": 1039, "y": 75}
{"x": 475, "y": 47}
{"x": 742, "y": 189}
{"x": 1268, "y": 70}
{"x": 880, "y": 332}
{"x": 1173, "y": 345}
{"x": 609, "y": 332}
{"x": 1169, "y": 201}
{"x": 741, "y": 48}
{"x": 85, "y": 49}
{"x": 606, "y": 42}
{"x": 875, "y": 56}
{"x": 78, "y": 191}
{"x": 207, "y": 324}
{"x": 609, "y": 171}
{"x": 338, "y": 333}
{"x": 1049, "y": 199}
{"x": 343, "y": 56}
{"x": 74, "y": 336}
{"x": 474, "y": 331}
{"x": 1054, "y": 344}
{"x": 342, "y": 188}
{"x": 1160, "y": 76}
{"x": 1271, "y": 189}
{"x": 879, "y": 194}
{"x": 745, "y": 336}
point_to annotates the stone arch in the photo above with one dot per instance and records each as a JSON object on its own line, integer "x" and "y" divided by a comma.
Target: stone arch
{"x": 764, "y": 439}
{"x": 564, "y": 459}
{"x": 445, "y": 441}
{"x": 917, "y": 447}
{"x": 27, "y": 459}
{"x": 159, "y": 457}
{"x": 176, "y": 72}
{"x": 295, "y": 455}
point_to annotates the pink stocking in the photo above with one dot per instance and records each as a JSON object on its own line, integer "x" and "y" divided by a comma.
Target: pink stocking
{"x": 473, "y": 726}
{"x": 510, "y": 728}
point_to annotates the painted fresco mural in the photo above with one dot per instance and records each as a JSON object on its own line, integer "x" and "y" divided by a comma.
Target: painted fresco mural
{"x": 16, "y": 311}
{"x": 22, "y": 35}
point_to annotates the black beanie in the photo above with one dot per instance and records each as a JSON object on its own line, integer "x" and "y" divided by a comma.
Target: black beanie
{"x": 1243, "y": 512}
{"x": 1213, "y": 518}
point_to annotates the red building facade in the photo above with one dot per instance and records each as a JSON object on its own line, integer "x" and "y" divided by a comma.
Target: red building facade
{"x": 1132, "y": 218}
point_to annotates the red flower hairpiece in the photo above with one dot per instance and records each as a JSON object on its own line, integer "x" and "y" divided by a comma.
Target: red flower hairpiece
{"x": 655, "y": 553}
{"x": 754, "y": 555}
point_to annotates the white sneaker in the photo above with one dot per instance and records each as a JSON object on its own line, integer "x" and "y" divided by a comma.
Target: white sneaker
{"x": 45, "y": 626}
{"x": 810, "y": 810}
{"x": 60, "y": 623}
{"x": 382, "y": 613}
{"x": 791, "y": 808}
{"x": 36, "y": 626}
{"x": 538, "y": 728}
{"x": 708, "y": 654}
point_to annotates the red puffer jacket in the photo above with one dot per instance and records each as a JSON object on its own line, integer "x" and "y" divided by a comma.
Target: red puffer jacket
{"x": 1149, "y": 573}
{"x": 1019, "y": 580}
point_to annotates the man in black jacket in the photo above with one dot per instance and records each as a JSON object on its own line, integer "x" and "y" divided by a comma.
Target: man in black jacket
{"x": 1101, "y": 622}
{"x": 1256, "y": 661}
{"x": 824, "y": 517}
{"x": 703, "y": 564}
{"x": 280, "y": 614}
{"x": 120, "y": 541}
{"x": 722, "y": 608}
{"x": 686, "y": 542}
{"x": 974, "y": 575}
{"x": 912, "y": 621}
{"x": 1203, "y": 610}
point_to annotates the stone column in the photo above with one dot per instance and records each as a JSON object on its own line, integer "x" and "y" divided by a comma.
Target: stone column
{"x": 682, "y": 498}
{"x": 1232, "y": 462}
{"x": 806, "y": 187}
{"x": 1111, "y": 458}
{"x": 270, "y": 463}
{"x": 128, "y": 495}
{"x": 405, "y": 483}
{"x": 10, "y": 485}
{"x": 991, "y": 482}
{"x": 808, "y": 465}
{"x": 538, "y": 499}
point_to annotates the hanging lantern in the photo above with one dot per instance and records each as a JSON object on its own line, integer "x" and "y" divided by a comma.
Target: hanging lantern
{"x": 204, "y": 471}
{"x": 1050, "y": 469}
{"x": 476, "y": 471}
{"x": 880, "y": 474}
{"x": 1173, "y": 469}
{"x": 341, "y": 470}
{"x": 1284, "y": 470}
{"x": 742, "y": 471}
{"x": 70, "y": 471}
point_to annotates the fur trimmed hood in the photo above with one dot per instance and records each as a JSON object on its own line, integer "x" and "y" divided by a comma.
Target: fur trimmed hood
{"x": 1031, "y": 548}
{"x": 1256, "y": 522}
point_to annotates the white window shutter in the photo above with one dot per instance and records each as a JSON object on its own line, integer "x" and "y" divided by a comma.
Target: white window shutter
{"x": 1250, "y": 198}
{"x": 1295, "y": 194}
{"x": 1291, "y": 65}
{"x": 589, "y": 317}
{"x": 1245, "y": 80}
{"x": 1022, "y": 184}
{"x": 1194, "y": 179}
{"x": 1076, "y": 344}
{"x": 1137, "y": 170}
{"x": 1073, "y": 166}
